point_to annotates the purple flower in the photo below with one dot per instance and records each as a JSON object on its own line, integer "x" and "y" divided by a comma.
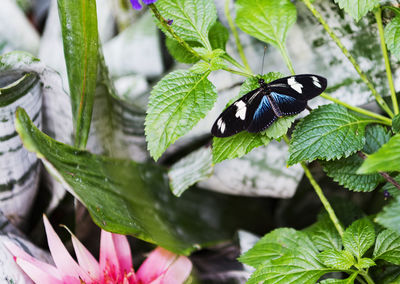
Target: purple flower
{"x": 136, "y": 5}
{"x": 169, "y": 21}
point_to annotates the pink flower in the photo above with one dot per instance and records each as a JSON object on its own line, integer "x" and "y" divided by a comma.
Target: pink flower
{"x": 161, "y": 266}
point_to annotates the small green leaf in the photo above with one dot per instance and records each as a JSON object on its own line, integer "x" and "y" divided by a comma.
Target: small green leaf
{"x": 200, "y": 67}
{"x": 396, "y": 123}
{"x": 324, "y": 234}
{"x": 329, "y": 132}
{"x": 365, "y": 263}
{"x": 179, "y": 53}
{"x": 192, "y": 19}
{"x": 217, "y": 63}
{"x": 357, "y": 8}
{"x": 337, "y": 259}
{"x": 193, "y": 168}
{"x": 237, "y": 145}
{"x": 359, "y": 237}
{"x": 176, "y": 104}
{"x": 389, "y": 217}
{"x": 349, "y": 280}
{"x": 344, "y": 171}
{"x": 387, "y": 247}
{"x": 392, "y": 36}
{"x": 267, "y": 20}
{"x": 218, "y": 36}
{"x": 386, "y": 158}
{"x": 80, "y": 39}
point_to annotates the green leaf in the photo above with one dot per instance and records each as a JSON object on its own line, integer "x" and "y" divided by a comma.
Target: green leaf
{"x": 365, "y": 263}
{"x": 80, "y": 39}
{"x": 131, "y": 198}
{"x": 357, "y": 8}
{"x": 386, "y": 159}
{"x": 396, "y": 124}
{"x": 393, "y": 190}
{"x": 389, "y": 217}
{"x": 337, "y": 259}
{"x": 266, "y": 20}
{"x": 328, "y": 132}
{"x": 176, "y": 104}
{"x": 200, "y": 67}
{"x": 387, "y": 247}
{"x": 218, "y": 36}
{"x": 344, "y": 171}
{"x": 359, "y": 237}
{"x": 192, "y": 18}
{"x": 179, "y": 53}
{"x": 392, "y": 36}
{"x": 193, "y": 168}
{"x": 349, "y": 280}
{"x": 236, "y": 146}
{"x": 324, "y": 234}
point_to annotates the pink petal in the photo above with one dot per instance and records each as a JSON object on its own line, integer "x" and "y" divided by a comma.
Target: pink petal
{"x": 108, "y": 256}
{"x": 63, "y": 260}
{"x": 38, "y": 275}
{"x": 123, "y": 252}
{"x": 177, "y": 273}
{"x": 86, "y": 259}
{"x": 19, "y": 253}
{"x": 155, "y": 265}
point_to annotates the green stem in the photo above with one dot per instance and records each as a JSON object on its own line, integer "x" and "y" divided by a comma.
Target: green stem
{"x": 381, "y": 118}
{"x": 245, "y": 74}
{"x": 364, "y": 77}
{"x": 231, "y": 60}
{"x": 287, "y": 59}
{"x": 321, "y": 195}
{"x": 367, "y": 278}
{"x": 236, "y": 35}
{"x": 378, "y": 17}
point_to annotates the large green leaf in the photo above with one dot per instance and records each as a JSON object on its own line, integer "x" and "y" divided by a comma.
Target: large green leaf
{"x": 386, "y": 158}
{"x": 392, "y": 36}
{"x": 357, "y": 8}
{"x": 359, "y": 237}
{"x": 349, "y": 280}
{"x": 344, "y": 171}
{"x": 387, "y": 247}
{"x": 329, "y": 132}
{"x": 80, "y": 38}
{"x": 130, "y": 198}
{"x": 267, "y": 20}
{"x": 324, "y": 234}
{"x": 192, "y": 19}
{"x": 389, "y": 217}
{"x": 337, "y": 259}
{"x": 176, "y": 104}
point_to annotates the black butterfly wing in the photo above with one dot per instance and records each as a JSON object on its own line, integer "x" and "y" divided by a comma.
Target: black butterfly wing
{"x": 302, "y": 87}
{"x": 238, "y": 116}
{"x": 288, "y": 105}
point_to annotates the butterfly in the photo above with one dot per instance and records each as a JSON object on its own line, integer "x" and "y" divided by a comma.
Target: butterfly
{"x": 259, "y": 108}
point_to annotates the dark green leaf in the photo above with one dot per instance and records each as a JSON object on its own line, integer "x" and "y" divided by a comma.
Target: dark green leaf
{"x": 389, "y": 217}
{"x": 342, "y": 260}
{"x": 267, "y": 20}
{"x": 329, "y": 132}
{"x": 393, "y": 190}
{"x": 193, "y": 168}
{"x": 80, "y": 39}
{"x": 386, "y": 158}
{"x": 176, "y": 104}
{"x": 179, "y": 53}
{"x": 392, "y": 36}
{"x": 357, "y": 8}
{"x": 218, "y": 36}
{"x": 359, "y": 237}
{"x": 324, "y": 234}
{"x": 396, "y": 124}
{"x": 387, "y": 247}
{"x": 344, "y": 171}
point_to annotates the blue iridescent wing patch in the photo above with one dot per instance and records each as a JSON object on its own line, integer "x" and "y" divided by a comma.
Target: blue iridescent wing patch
{"x": 287, "y": 104}
{"x": 263, "y": 117}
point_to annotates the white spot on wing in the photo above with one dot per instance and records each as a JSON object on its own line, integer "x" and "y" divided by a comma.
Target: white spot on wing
{"x": 241, "y": 110}
{"x": 295, "y": 85}
{"x": 316, "y": 81}
{"x": 221, "y": 125}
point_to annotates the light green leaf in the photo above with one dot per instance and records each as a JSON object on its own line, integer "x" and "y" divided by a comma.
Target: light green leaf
{"x": 396, "y": 124}
{"x": 387, "y": 247}
{"x": 342, "y": 260}
{"x": 359, "y": 237}
{"x": 193, "y": 168}
{"x": 176, "y": 104}
{"x": 324, "y": 234}
{"x": 80, "y": 39}
{"x": 344, "y": 171}
{"x": 267, "y": 20}
{"x": 192, "y": 18}
{"x": 389, "y": 217}
{"x": 392, "y": 36}
{"x": 365, "y": 263}
{"x": 179, "y": 53}
{"x": 386, "y": 159}
{"x": 237, "y": 145}
{"x": 200, "y": 67}
{"x": 328, "y": 132}
{"x": 357, "y": 8}
{"x": 131, "y": 198}
{"x": 349, "y": 280}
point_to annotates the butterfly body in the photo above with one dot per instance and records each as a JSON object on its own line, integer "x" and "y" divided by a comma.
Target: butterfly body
{"x": 258, "y": 109}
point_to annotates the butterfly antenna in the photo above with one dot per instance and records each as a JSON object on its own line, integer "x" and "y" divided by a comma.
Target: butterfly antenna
{"x": 262, "y": 64}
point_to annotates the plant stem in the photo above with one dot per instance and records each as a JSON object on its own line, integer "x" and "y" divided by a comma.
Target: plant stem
{"x": 321, "y": 195}
{"x": 378, "y": 17}
{"x": 367, "y": 278}
{"x": 245, "y": 74}
{"x": 286, "y": 57}
{"x": 382, "y": 119}
{"x": 364, "y": 77}
{"x": 236, "y": 35}
{"x": 231, "y": 60}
